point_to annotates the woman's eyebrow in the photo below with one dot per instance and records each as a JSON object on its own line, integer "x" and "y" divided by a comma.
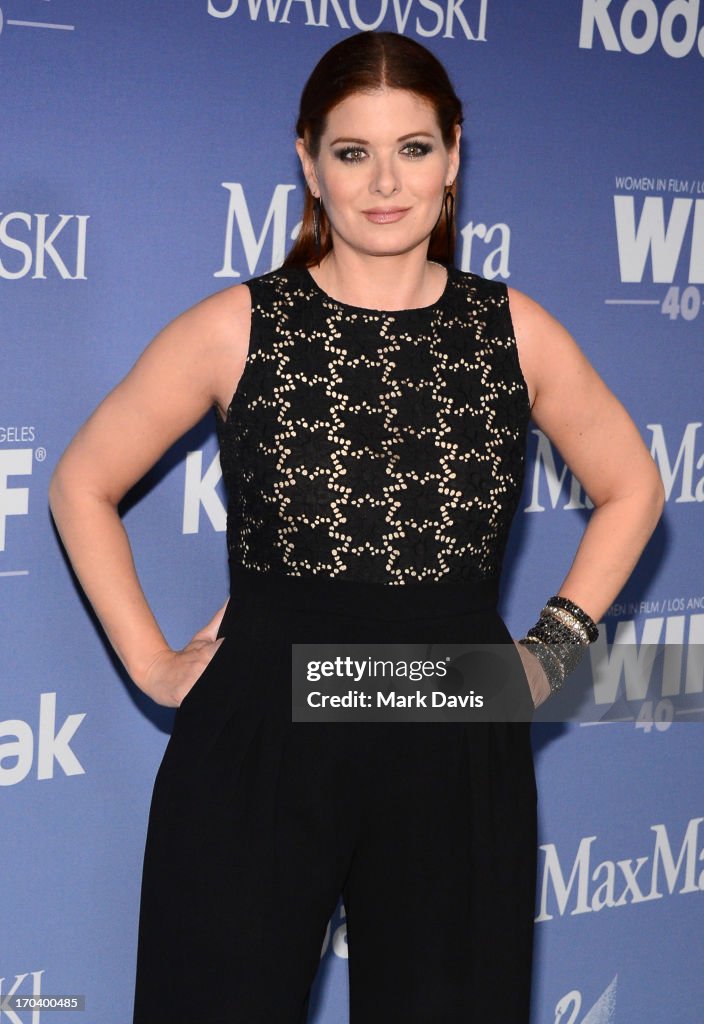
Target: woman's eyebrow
{"x": 414, "y": 135}
{"x": 365, "y": 142}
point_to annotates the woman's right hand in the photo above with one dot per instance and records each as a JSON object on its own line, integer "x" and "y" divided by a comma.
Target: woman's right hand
{"x": 172, "y": 674}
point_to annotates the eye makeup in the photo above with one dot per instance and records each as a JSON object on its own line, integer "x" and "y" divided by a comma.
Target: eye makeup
{"x": 421, "y": 148}
{"x": 350, "y": 154}
{"x": 413, "y": 148}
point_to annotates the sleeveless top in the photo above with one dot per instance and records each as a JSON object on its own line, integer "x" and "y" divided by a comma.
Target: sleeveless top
{"x": 375, "y": 446}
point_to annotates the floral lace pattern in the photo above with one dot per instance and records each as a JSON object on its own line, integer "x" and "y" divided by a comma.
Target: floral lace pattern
{"x": 370, "y": 445}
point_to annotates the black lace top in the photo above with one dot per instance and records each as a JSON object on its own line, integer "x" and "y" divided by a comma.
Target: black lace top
{"x": 379, "y": 446}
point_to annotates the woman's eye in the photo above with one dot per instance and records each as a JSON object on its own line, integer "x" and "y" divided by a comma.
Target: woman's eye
{"x": 350, "y": 154}
{"x": 416, "y": 149}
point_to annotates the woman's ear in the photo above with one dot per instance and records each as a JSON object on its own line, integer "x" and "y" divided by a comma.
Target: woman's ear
{"x": 454, "y": 154}
{"x": 308, "y": 166}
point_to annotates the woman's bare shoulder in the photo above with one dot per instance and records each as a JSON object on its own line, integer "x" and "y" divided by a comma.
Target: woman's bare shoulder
{"x": 220, "y": 324}
{"x": 547, "y": 352}
{"x": 219, "y": 312}
{"x": 527, "y": 313}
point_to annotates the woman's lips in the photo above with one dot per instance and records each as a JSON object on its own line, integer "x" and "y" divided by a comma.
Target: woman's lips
{"x": 385, "y": 214}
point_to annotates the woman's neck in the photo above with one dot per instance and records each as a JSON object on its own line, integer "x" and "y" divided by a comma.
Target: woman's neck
{"x": 380, "y": 282}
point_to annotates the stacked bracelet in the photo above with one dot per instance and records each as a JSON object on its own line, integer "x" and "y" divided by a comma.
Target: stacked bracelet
{"x": 560, "y": 637}
{"x": 578, "y": 616}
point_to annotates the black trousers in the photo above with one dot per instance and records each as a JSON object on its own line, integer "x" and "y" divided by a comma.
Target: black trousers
{"x": 257, "y": 825}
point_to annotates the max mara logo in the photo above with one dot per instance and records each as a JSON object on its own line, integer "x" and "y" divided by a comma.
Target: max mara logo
{"x": 590, "y": 885}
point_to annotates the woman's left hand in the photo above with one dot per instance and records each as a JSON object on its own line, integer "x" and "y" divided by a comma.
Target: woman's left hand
{"x": 537, "y": 679}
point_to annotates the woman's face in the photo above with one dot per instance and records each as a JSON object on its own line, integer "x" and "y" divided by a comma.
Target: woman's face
{"x": 381, "y": 171}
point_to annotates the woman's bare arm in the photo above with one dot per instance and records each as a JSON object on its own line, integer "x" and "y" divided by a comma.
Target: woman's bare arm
{"x": 601, "y": 445}
{"x": 193, "y": 363}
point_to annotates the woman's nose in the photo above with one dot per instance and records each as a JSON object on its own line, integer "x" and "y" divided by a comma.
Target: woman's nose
{"x": 385, "y": 178}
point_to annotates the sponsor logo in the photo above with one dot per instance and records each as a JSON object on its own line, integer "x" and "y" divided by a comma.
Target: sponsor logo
{"x": 666, "y": 663}
{"x": 335, "y": 938}
{"x": 603, "y": 1011}
{"x": 14, "y": 498}
{"x": 638, "y": 25}
{"x": 655, "y": 237}
{"x": 16, "y": 467}
{"x": 659, "y": 226}
{"x": 589, "y": 885}
{"x": 448, "y": 19}
{"x": 651, "y": 673}
{"x": 38, "y": 245}
{"x": 17, "y": 745}
{"x": 490, "y": 257}
{"x": 15, "y": 23}
{"x": 239, "y": 225}
{"x": 682, "y": 472}
{"x": 200, "y": 492}
{"x": 559, "y": 485}
{"x": 683, "y": 476}
{"x": 484, "y": 247}
{"x": 16, "y": 434}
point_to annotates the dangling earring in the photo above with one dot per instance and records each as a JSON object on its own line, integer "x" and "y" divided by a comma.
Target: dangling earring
{"x": 449, "y": 205}
{"x": 316, "y": 225}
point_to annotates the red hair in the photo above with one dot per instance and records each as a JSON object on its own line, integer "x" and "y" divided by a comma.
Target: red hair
{"x": 366, "y": 62}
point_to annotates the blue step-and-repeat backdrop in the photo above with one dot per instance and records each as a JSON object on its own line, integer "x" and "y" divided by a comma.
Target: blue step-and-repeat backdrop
{"x": 146, "y": 160}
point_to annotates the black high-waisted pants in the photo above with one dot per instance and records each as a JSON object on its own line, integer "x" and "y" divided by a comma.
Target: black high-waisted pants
{"x": 258, "y": 823}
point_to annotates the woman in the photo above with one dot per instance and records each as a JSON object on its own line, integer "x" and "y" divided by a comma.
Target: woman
{"x": 373, "y": 454}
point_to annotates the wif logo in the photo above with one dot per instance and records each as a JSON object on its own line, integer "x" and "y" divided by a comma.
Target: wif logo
{"x": 661, "y": 239}
{"x": 668, "y": 661}
{"x": 14, "y": 500}
{"x": 31, "y": 23}
{"x": 17, "y": 465}
{"x": 640, "y": 25}
{"x": 657, "y": 238}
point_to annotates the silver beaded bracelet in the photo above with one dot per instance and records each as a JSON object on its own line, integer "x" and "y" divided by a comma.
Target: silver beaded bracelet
{"x": 560, "y": 638}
